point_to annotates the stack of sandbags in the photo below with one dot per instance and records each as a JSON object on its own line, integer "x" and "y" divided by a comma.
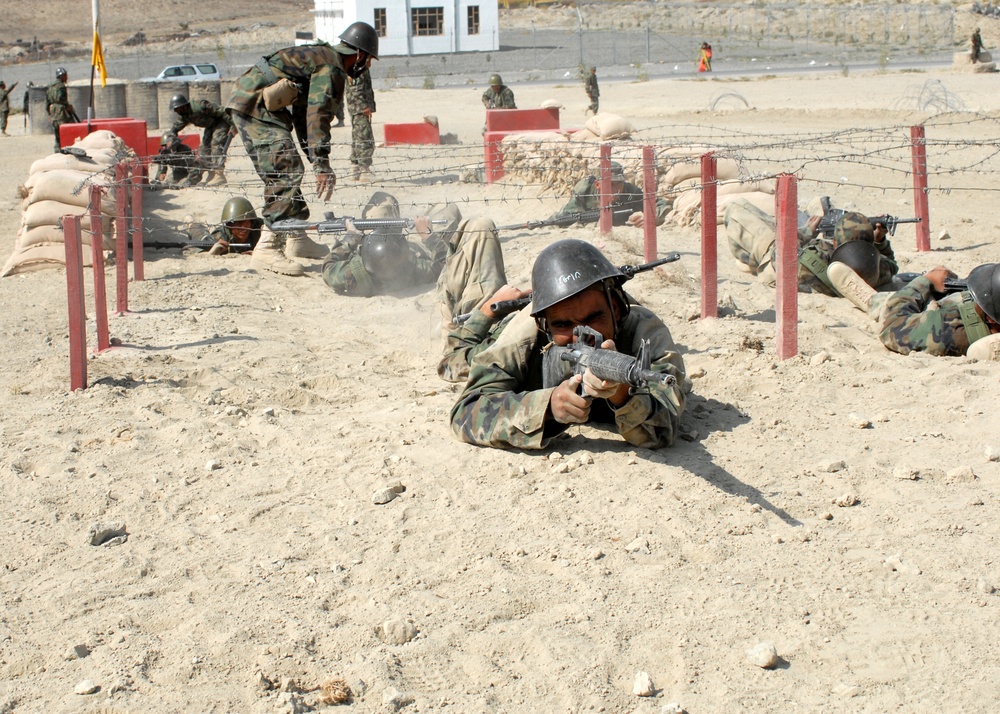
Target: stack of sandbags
{"x": 59, "y": 185}
{"x": 963, "y": 61}
{"x": 682, "y": 183}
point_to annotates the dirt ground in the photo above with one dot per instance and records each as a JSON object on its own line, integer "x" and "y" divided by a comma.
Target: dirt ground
{"x": 243, "y": 425}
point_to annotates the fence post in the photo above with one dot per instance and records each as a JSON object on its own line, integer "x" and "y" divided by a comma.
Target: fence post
{"x": 605, "y": 190}
{"x": 709, "y": 238}
{"x": 77, "y": 312}
{"x": 787, "y": 267}
{"x": 121, "y": 239}
{"x": 918, "y": 144}
{"x": 649, "y": 204}
{"x": 97, "y": 251}
{"x": 138, "y": 270}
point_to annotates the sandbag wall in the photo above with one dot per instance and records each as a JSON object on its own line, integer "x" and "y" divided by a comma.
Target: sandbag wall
{"x": 558, "y": 160}
{"x": 59, "y": 185}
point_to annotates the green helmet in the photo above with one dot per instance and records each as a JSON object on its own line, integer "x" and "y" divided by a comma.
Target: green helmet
{"x": 178, "y": 101}
{"x": 495, "y": 80}
{"x": 238, "y": 208}
{"x": 384, "y": 254}
{"x": 61, "y": 73}
{"x": 984, "y": 284}
{"x": 568, "y": 267}
{"x": 861, "y": 257}
{"x": 853, "y": 226}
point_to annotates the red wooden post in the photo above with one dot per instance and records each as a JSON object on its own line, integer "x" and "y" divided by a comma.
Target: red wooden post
{"x": 121, "y": 239}
{"x": 709, "y": 238}
{"x": 605, "y": 190}
{"x": 138, "y": 270}
{"x": 77, "y": 312}
{"x": 918, "y": 145}
{"x": 649, "y": 204}
{"x": 97, "y": 251}
{"x": 787, "y": 267}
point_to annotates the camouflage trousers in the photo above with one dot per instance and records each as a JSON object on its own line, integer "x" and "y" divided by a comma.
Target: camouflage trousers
{"x": 595, "y": 102}
{"x": 276, "y": 160}
{"x": 3, "y": 121}
{"x": 474, "y": 268}
{"x": 362, "y": 140}
{"x": 751, "y": 236}
{"x": 214, "y": 145}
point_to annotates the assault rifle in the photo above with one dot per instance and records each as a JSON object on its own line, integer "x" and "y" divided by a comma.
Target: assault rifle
{"x": 200, "y": 244}
{"x": 332, "y": 224}
{"x": 951, "y": 285}
{"x": 503, "y": 308}
{"x": 586, "y": 353}
{"x": 565, "y": 220}
{"x": 832, "y": 215}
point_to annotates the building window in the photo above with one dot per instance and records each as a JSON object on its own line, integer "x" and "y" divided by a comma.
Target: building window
{"x": 380, "y": 21}
{"x": 427, "y": 21}
{"x": 473, "y": 17}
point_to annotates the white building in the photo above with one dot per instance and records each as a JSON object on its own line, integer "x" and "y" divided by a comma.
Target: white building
{"x": 415, "y": 27}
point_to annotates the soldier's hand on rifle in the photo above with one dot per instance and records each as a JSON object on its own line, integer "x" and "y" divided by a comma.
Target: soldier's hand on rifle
{"x": 221, "y": 247}
{"x": 813, "y": 225}
{"x": 507, "y": 292}
{"x": 636, "y": 219}
{"x": 422, "y": 224}
{"x": 616, "y": 392}
{"x": 567, "y": 405}
{"x": 937, "y": 276}
{"x": 324, "y": 185}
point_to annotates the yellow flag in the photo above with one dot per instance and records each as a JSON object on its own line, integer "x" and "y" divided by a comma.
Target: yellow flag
{"x": 97, "y": 59}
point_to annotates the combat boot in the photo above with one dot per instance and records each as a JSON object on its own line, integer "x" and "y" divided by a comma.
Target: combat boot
{"x": 216, "y": 178}
{"x": 850, "y": 285}
{"x": 364, "y": 175}
{"x": 269, "y": 255}
{"x": 299, "y": 245}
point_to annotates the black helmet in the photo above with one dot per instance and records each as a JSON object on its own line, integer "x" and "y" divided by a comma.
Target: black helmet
{"x": 984, "y": 284}
{"x": 383, "y": 254}
{"x": 861, "y": 257}
{"x": 568, "y": 267}
{"x": 361, "y": 36}
{"x": 177, "y": 101}
{"x": 238, "y": 208}
{"x": 61, "y": 73}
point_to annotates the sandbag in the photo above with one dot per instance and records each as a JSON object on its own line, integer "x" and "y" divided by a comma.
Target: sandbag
{"x": 551, "y": 103}
{"x": 69, "y": 187}
{"x": 610, "y": 126}
{"x": 100, "y": 139}
{"x": 49, "y": 213}
{"x": 725, "y": 169}
{"x": 40, "y": 257}
{"x": 100, "y": 159}
{"x": 584, "y": 135}
{"x": 41, "y": 235}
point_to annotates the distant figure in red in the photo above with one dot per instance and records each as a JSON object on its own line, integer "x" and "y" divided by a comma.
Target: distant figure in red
{"x": 705, "y": 60}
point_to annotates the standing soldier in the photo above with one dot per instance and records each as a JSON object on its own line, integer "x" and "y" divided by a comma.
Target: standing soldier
{"x": 5, "y": 106}
{"x": 310, "y": 80}
{"x": 361, "y": 105}
{"x": 218, "y": 126}
{"x": 499, "y": 95}
{"x": 57, "y": 104}
{"x": 592, "y": 90}
{"x": 976, "y": 41}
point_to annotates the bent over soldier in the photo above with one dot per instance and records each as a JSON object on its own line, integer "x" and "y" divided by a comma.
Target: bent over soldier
{"x": 308, "y": 79}
{"x": 218, "y": 126}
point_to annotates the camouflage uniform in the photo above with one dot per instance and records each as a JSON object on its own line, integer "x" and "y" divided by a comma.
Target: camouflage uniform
{"x": 587, "y": 198}
{"x": 58, "y": 106}
{"x": 504, "y": 403}
{"x": 319, "y": 71}
{"x": 913, "y": 322}
{"x": 177, "y": 166}
{"x": 752, "y": 241}
{"x": 4, "y": 108}
{"x": 218, "y": 126}
{"x": 593, "y": 92}
{"x": 504, "y": 99}
{"x": 361, "y": 96}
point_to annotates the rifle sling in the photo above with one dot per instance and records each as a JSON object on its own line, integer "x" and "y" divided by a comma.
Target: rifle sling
{"x": 975, "y": 326}
{"x": 817, "y": 266}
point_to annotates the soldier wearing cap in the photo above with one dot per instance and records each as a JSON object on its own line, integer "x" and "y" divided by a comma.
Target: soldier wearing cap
{"x": 593, "y": 91}
{"x": 752, "y": 241}
{"x": 498, "y": 95}
{"x": 506, "y": 402}
{"x": 627, "y": 202}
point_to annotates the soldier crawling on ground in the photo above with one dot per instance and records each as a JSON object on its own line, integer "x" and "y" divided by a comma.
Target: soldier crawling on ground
{"x": 218, "y": 132}
{"x": 627, "y": 202}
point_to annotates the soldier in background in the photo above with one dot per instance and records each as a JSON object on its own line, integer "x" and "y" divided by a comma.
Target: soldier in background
{"x": 308, "y": 79}
{"x": 627, "y": 202}
{"x": 177, "y": 166}
{"x": 57, "y": 104}
{"x": 976, "y": 45}
{"x": 499, "y": 95}
{"x": 218, "y": 126}
{"x": 593, "y": 91}
{"x": 4, "y": 106}
{"x": 361, "y": 105}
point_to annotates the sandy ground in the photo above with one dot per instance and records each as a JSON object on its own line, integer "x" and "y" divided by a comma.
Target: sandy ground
{"x": 247, "y": 419}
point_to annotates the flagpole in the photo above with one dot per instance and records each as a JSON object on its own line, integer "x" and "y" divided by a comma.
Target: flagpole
{"x": 96, "y": 13}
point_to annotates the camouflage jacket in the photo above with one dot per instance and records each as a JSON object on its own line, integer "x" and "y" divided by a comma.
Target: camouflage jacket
{"x": 812, "y": 273}
{"x": 587, "y": 197}
{"x": 505, "y": 405}
{"x": 57, "y": 103}
{"x": 360, "y": 95}
{"x": 319, "y": 71}
{"x": 203, "y": 114}
{"x": 465, "y": 341}
{"x": 502, "y": 100}
{"x": 590, "y": 86}
{"x": 5, "y": 100}
{"x": 344, "y": 272}
{"x": 913, "y": 322}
